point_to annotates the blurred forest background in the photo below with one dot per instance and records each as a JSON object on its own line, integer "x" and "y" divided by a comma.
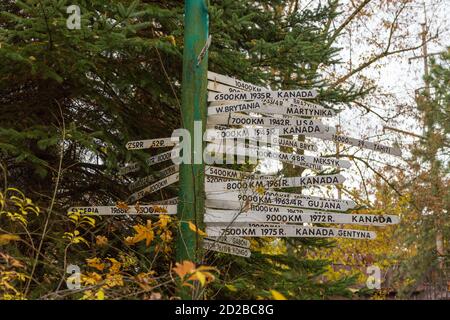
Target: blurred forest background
{"x": 71, "y": 99}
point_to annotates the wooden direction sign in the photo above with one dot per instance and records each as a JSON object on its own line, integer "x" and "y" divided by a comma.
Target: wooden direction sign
{"x": 294, "y": 111}
{"x": 244, "y": 120}
{"x": 262, "y": 107}
{"x": 128, "y": 168}
{"x": 257, "y": 184}
{"x": 135, "y": 166}
{"x": 254, "y": 95}
{"x": 311, "y": 162}
{"x": 154, "y": 177}
{"x": 258, "y": 153}
{"x": 154, "y": 187}
{"x": 235, "y": 241}
{"x": 238, "y": 200}
{"x": 219, "y": 87}
{"x": 212, "y": 179}
{"x": 297, "y": 103}
{"x": 225, "y": 248}
{"x": 173, "y": 200}
{"x": 221, "y": 83}
{"x": 132, "y": 210}
{"x": 246, "y": 86}
{"x": 357, "y": 142}
{"x": 152, "y": 143}
{"x": 272, "y": 214}
{"x": 161, "y": 157}
{"x": 280, "y": 141}
{"x": 291, "y": 231}
{"x": 243, "y": 133}
{"x": 234, "y": 174}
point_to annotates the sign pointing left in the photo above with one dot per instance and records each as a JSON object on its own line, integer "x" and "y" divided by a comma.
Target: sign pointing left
{"x": 133, "y": 210}
{"x": 152, "y": 143}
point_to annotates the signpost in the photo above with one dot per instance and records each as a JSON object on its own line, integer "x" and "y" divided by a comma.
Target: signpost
{"x": 243, "y": 133}
{"x": 262, "y": 107}
{"x": 280, "y": 141}
{"x": 263, "y": 213}
{"x": 193, "y": 108}
{"x": 254, "y": 95}
{"x": 244, "y": 120}
{"x": 220, "y": 88}
{"x": 154, "y": 187}
{"x": 132, "y": 210}
{"x": 161, "y": 157}
{"x": 225, "y": 248}
{"x": 235, "y": 174}
{"x": 237, "y": 200}
{"x": 216, "y": 78}
{"x": 134, "y": 166}
{"x": 258, "y": 184}
{"x": 311, "y": 162}
{"x": 152, "y": 143}
{"x": 154, "y": 177}
{"x": 235, "y": 241}
{"x": 173, "y": 200}
{"x": 357, "y": 143}
{"x": 291, "y": 231}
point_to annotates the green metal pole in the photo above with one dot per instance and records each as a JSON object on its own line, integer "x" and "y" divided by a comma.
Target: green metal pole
{"x": 193, "y": 108}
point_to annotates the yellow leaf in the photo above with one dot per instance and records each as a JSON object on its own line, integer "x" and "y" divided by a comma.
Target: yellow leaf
{"x": 129, "y": 241}
{"x": 164, "y": 220}
{"x": 277, "y": 296}
{"x": 100, "y": 295}
{"x": 166, "y": 236}
{"x": 96, "y": 263}
{"x": 200, "y": 277}
{"x": 231, "y": 287}
{"x": 171, "y": 39}
{"x": 101, "y": 241}
{"x": 194, "y": 228}
{"x": 260, "y": 190}
{"x": 115, "y": 265}
{"x": 144, "y": 233}
{"x": 6, "y": 238}
{"x": 181, "y": 269}
{"x": 123, "y": 206}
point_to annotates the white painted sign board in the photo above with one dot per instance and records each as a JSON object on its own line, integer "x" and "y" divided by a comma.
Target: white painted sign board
{"x": 225, "y": 248}
{"x": 253, "y": 95}
{"x": 235, "y": 241}
{"x": 212, "y": 134}
{"x": 280, "y": 141}
{"x": 236, "y": 119}
{"x": 173, "y": 200}
{"x": 311, "y": 162}
{"x": 152, "y": 143}
{"x": 357, "y": 143}
{"x": 154, "y": 187}
{"x": 278, "y": 183}
{"x": 234, "y": 174}
{"x": 291, "y": 231}
{"x": 142, "y": 182}
{"x": 286, "y": 215}
{"x": 237, "y": 200}
{"x": 258, "y": 106}
{"x": 114, "y": 210}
